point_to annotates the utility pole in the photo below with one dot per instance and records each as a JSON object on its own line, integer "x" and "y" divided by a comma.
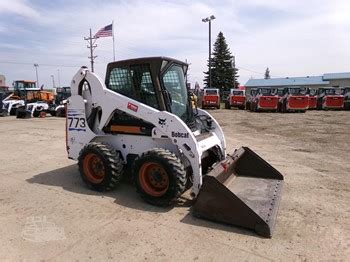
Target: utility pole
{"x": 36, "y": 72}
{"x": 59, "y": 78}
{"x": 92, "y": 47}
{"x": 234, "y": 71}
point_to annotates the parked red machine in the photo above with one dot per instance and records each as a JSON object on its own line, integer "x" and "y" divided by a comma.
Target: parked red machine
{"x": 312, "y": 92}
{"x": 211, "y": 98}
{"x": 236, "y": 98}
{"x": 346, "y": 93}
{"x": 294, "y": 99}
{"x": 266, "y": 99}
{"x": 329, "y": 98}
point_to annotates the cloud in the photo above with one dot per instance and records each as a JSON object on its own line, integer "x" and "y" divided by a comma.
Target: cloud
{"x": 18, "y": 7}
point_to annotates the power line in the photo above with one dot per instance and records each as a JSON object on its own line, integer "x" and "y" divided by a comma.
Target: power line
{"x": 31, "y": 64}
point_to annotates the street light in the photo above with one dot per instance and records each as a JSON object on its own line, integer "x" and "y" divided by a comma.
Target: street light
{"x": 36, "y": 72}
{"x": 53, "y": 81}
{"x": 59, "y": 78}
{"x": 205, "y": 20}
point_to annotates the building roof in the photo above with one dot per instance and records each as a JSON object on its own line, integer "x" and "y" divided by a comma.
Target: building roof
{"x": 332, "y": 76}
{"x": 288, "y": 81}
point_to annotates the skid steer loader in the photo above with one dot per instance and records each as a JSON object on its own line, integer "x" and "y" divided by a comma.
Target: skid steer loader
{"x": 141, "y": 119}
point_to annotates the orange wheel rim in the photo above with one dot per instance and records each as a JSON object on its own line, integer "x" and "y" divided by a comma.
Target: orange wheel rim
{"x": 94, "y": 168}
{"x": 154, "y": 179}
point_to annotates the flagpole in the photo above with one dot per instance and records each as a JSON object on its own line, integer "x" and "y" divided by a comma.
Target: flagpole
{"x": 113, "y": 40}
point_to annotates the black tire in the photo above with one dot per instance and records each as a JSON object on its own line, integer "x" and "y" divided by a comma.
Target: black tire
{"x": 36, "y": 113}
{"x": 168, "y": 177}
{"x": 227, "y": 105}
{"x": 61, "y": 112}
{"x": 108, "y": 159}
{"x": 218, "y": 106}
{"x": 13, "y": 111}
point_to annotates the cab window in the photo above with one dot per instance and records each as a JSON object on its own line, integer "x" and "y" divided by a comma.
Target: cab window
{"x": 134, "y": 82}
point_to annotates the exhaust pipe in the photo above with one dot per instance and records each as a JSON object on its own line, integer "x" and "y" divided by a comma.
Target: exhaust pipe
{"x": 242, "y": 190}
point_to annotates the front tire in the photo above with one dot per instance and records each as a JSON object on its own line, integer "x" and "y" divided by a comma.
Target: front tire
{"x": 159, "y": 177}
{"x": 100, "y": 166}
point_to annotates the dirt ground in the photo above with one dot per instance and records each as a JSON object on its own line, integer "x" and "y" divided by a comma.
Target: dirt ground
{"x": 48, "y": 214}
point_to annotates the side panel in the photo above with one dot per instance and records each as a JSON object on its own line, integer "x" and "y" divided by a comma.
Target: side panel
{"x": 78, "y": 132}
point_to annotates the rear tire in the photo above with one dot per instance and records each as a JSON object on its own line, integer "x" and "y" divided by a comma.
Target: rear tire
{"x": 227, "y": 105}
{"x": 159, "y": 177}
{"x": 100, "y": 166}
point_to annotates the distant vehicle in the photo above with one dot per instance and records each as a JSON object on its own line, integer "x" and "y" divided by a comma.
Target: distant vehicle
{"x": 249, "y": 96}
{"x": 266, "y": 99}
{"x": 312, "y": 92}
{"x": 236, "y": 98}
{"x": 37, "y": 103}
{"x": 211, "y": 98}
{"x": 329, "y": 98}
{"x": 294, "y": 99}
{"x": 346, "y": 94}
{"x": 58, "y": 108}
{"x": 10, "y": 105}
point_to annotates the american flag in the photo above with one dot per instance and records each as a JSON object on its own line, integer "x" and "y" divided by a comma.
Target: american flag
{"x": 105, "y": 31}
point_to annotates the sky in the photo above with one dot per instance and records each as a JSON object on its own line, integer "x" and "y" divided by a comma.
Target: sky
{"x": 291, "y": 37}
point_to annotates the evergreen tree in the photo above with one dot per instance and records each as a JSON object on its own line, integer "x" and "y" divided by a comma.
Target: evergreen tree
{"x": 222, "y": 71}
{"x": 267, "y": 74}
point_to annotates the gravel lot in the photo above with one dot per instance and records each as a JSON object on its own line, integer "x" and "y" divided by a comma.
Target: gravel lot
{"x": 48, "y": 214}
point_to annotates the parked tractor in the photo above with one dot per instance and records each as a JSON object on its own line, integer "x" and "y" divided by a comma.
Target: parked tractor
{"x": 346, "y": 94}
{"x": 294, "y": 99}
{"x": 312, "y": 92}
{"x": 236, "y": 98}
{"x": 266, "y": 99}
{"x": 211, "y": 98}
{"x": 141, "y": 119}
{"x": 329, "y": 98}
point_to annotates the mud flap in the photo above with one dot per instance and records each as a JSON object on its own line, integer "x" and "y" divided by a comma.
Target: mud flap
{"x": 242, "y": 190}
{"x": 22, "y": 113}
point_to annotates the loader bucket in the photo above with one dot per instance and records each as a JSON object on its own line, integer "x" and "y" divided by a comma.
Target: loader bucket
{"x": 242, "y": 190}
{"x": 22, "y": 113}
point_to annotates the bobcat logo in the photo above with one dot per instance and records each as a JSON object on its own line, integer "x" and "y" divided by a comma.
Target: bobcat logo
{"x": 162, "y": 122}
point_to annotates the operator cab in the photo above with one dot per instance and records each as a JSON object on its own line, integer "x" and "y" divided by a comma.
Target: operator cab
{"x": 297, "y": 91}
{"x": 267, "y": 91}
{"x": 158, "y": 82}
{"x": 238, "y": 92}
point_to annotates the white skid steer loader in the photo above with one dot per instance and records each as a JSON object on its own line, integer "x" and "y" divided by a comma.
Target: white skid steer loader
{"x": 141, "y": 120}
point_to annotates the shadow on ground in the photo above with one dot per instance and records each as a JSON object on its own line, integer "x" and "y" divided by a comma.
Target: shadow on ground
{"x": 125, "y": 195}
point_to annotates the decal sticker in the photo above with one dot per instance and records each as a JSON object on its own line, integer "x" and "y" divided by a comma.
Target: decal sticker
{"x": 76, "y": 124}
{"x": 179, "y": 134}
{"x": 133, "y": 107}
{"x": 162, "y": 122}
